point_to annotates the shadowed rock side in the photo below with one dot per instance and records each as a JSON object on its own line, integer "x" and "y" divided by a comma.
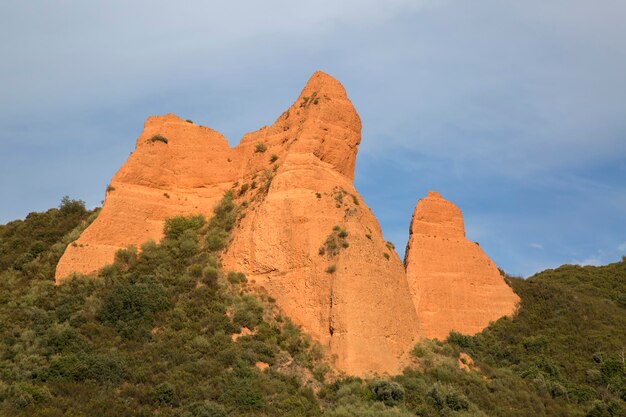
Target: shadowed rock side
{"x": 353, "y": 297}
{"x": 454, "y": 285}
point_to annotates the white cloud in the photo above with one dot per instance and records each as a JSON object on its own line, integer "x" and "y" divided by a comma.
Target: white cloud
{"x": 595, "y": 260}
{"x": 592, "y": 260}
{"x": 536, "y": 245}
{"x": 622, "y": 247}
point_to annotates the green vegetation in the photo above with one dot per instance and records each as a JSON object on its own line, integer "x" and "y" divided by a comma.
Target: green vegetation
{"x": 158, "y": 138}
{"x": 41, "y": 235}
{"x": 339, "y": 193}
{"x": 244, "y": 188}
{"x": 153, "y": 335}
{"x": 149, "y": 336}
{"x": 568, "y": 337}
{"x": 335, "y": 241}
{"x": 260, "y": 147}
{"x": 273, "y": 158}
{"x": 307, "y": 101}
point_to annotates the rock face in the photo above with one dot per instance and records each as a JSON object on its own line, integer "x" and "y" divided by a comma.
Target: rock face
{"x": 300, "y": 188}
{"x": 454, "y": 285}
{"x": 307, "y": 237}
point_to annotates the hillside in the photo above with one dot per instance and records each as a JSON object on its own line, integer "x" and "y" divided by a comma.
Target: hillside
{"x": 169, "y": 332}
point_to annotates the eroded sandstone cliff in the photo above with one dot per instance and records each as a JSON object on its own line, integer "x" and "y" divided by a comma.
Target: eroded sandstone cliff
{"x": 454, "y": 285}
{"x": 307, "y": 238}
{"x": 353, "y": 298}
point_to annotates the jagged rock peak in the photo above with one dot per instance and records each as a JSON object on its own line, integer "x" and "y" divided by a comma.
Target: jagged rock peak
{"x": 436, "y": 216}
{"x": 302, "y": 169}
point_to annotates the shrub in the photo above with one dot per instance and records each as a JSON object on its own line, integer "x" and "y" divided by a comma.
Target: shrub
{"x": 216, "y": 240}
{"x": 130, "y": 307}
{"x": 206, "y": 409}
{"x": 273, "y": 158}
{"x": 389, "y": 392}
{"x": 334, "y": 242}
{"x": 175, "y": 226}
{"x": 164, "y": 393}
{"x": 260, "y": 147}
{"x": 158, "y": 138}
{"x": 461, "y": 340}
{"x": 443, "y": 399}
{"x": 236, "y": 277}
{"x": 331, "y": 269}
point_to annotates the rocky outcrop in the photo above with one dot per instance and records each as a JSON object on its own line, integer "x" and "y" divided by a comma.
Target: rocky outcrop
{"x": 454, "y": 285}
{"x": 307, "y": 237}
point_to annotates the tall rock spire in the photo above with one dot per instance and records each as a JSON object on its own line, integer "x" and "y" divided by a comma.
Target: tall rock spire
{"x": 354, "y": 299}
{"x": 454, "y": 285}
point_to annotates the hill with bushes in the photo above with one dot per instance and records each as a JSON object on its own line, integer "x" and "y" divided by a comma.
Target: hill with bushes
{"x": 166, "y": 331}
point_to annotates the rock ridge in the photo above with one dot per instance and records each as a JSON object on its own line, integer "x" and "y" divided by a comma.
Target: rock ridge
{"x": 307, "y": 238}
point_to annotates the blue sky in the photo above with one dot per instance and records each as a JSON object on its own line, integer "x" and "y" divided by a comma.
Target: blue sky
{"x": 515, "y": 111}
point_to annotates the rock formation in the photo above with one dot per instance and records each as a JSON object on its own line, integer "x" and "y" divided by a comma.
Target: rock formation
{"x": 307, "y": 237}
{"x": 299, "y": 172}
{"x": 454, "y": 285}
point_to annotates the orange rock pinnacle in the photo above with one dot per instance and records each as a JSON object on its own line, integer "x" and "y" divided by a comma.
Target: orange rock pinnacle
{"x": 454, "y": 285}
{"x": 307, "y": 238}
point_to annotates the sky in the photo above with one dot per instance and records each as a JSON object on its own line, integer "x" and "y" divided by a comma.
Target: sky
{"x": 515, "y": 111}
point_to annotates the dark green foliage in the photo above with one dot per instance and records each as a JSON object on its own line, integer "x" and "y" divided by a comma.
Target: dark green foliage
{"x": 220, "y": 225}
{"x": 176, "y": 226}
{"x": 165, "y": 393}
{"x": 565, "y": 333}
{"x": 79, "y": 367}
{"x": 236, "y": 277}
{"x": 151, "y": 336}
{"x": 445, "y": 400}
{"x": 460, "y": 340}
{"x": 23, "y": 241}
{"x": 389, "y": 392}
{"x": 158, "y": 138}
{"x": 206, "y": 409}
{"x": 260, "y": 147}
{"x": 335, "y": 241}
{"x": 130, "y": 306}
